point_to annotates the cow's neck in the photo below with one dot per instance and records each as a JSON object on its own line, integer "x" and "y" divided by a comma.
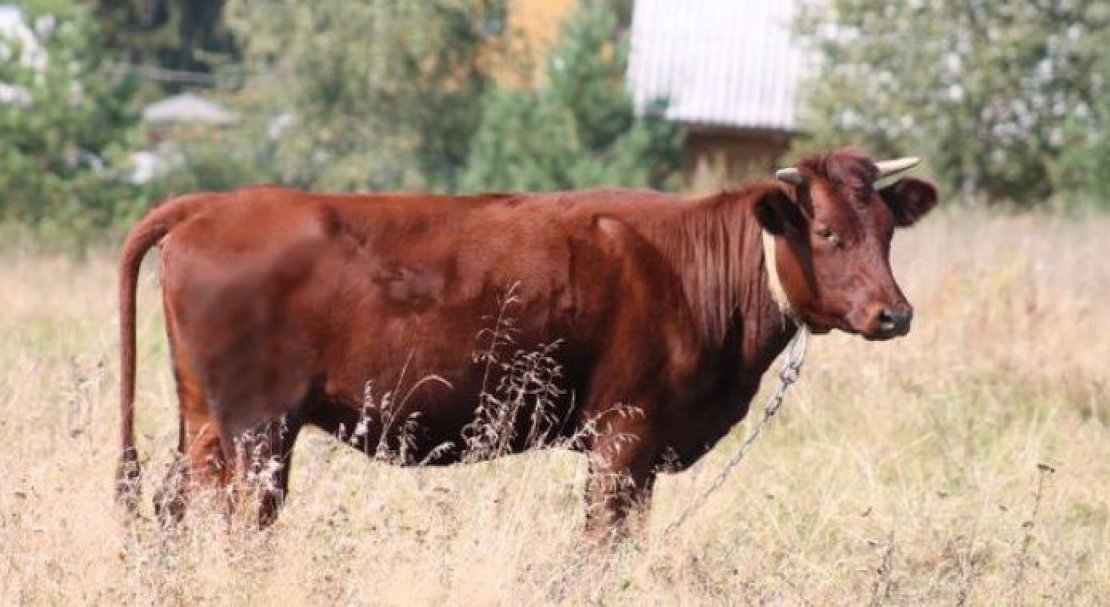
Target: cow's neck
{"x": 718, "y": 251}
{"x": 760, "y": 326}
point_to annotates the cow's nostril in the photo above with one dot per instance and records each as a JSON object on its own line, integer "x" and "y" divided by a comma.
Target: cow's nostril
{"x": 890, "y": 320}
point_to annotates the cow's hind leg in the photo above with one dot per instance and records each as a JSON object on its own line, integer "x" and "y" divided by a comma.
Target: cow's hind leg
{"x": 200, "y": 467}
{"x": 201, "y": 464}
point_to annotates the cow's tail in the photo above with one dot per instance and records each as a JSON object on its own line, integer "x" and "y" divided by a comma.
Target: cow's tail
{"x": 147, "y": 233}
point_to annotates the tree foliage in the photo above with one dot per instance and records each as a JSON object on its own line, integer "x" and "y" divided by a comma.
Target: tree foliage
{"x": 64, "y": 152}
{"x": 381, "y": 94}
{"x": 180, "y": 35}
{"x": 1083, "y": 171}
{"x": 984, "y": 89}
{"x": 580, "y": 128}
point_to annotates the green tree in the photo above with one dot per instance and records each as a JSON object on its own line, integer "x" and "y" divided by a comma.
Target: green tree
{"x": 64, "y": 158}
{"x": 579, "y": 129}
{"x": 381, "y": 94}
{"x": 983, "y": 89}
{"x": 187, "y": 36}
{"x": 1082, "y": 175}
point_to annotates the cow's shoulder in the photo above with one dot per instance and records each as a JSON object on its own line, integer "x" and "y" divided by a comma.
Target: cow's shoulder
{"x": 612, "y": 259}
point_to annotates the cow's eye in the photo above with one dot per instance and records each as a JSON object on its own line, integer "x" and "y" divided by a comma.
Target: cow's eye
{"x": 827, "y": 234}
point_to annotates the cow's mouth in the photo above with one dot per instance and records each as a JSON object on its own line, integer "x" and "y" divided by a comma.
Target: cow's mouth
{"x": 884, "y": 334}
{"x": 878, "y": 335}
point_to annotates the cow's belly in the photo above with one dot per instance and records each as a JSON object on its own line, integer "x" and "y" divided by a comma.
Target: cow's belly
{"x": 463, "y": 412}
{"x": 456, "y": 381}
{"x": 441, "y": 429}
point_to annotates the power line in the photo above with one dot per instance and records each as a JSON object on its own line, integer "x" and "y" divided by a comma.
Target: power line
{"x": 160, "y": 74}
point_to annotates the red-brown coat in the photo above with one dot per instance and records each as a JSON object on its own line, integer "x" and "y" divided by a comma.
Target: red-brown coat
{"x": 647, "y": 318}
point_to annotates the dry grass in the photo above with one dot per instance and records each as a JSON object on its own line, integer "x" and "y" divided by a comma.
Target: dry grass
{"x": 900, "y": 473}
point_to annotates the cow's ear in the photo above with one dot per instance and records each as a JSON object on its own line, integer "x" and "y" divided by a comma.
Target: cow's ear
{"x": 777, "y": 213}
{"x": 909, "y": 200}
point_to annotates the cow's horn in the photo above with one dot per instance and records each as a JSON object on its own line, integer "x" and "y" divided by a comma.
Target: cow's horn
{"x": 892, "y": 167}
{"x": 790, "y": 175}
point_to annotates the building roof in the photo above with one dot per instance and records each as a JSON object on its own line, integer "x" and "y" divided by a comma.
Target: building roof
{"x": 186, "y": 108}
{"x": 720, "y": 63}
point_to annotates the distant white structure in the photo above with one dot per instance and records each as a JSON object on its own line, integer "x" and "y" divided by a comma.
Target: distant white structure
{"x": 187, "y": 108}
{"x": 17, "y": 36}
{"x": 163, "y": 154}
{"x": 18, "y": 42}
{"x": 730, "y": 70}
{"x": 14, "y": 95}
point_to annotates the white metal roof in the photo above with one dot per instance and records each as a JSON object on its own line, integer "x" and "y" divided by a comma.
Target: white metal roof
{"x": 729, "y": 63}
{"x": 187, "y": 108}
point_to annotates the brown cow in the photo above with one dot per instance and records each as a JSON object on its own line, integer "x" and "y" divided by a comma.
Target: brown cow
{"x": 631, "y": 325}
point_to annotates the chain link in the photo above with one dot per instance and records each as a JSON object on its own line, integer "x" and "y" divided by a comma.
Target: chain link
{"x": 790, "y": 372}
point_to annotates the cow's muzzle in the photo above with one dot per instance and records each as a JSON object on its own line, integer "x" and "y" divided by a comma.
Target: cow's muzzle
{"x": 880, "y": 321}
{"x": 889, "y": 322}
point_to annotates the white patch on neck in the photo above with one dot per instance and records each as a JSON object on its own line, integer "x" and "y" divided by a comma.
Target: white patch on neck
{"x": 770, "y": 259}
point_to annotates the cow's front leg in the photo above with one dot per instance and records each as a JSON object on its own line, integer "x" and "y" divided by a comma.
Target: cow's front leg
{"x": 619, "y": 483}
{"x": 616, "y": 500}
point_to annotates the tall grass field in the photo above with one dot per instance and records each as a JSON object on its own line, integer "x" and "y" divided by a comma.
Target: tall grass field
{"x": 966, "y": 464}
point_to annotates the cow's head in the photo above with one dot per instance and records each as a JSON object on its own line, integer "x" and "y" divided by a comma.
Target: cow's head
{"x": 827, "y": 238}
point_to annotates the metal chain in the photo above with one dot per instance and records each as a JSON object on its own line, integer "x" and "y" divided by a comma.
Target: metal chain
{"x": 790, "y": 372}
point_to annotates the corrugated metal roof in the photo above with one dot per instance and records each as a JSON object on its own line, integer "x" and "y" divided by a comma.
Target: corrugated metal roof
{"x": 187, "y": 108}
{"x": 725, "y": 63}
